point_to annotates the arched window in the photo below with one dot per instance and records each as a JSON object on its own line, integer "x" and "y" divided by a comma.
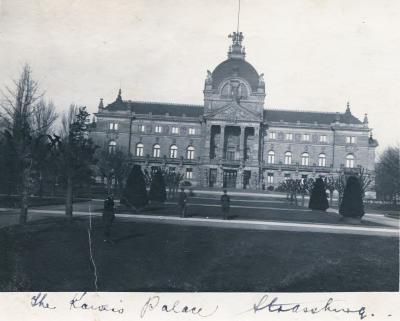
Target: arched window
{"x": 349, "y": 161}
{"x": 288, "y": 158}
{"x": 242, "y": 91}
{"x": 156, "y": 150}
{"x": 139, "y": 149}
{"x": 322, "y": 160}
{"x": 305, "y": 159}
{"x": 112, "y": 146}
{"x": 173, "y": 151}
{"x": 271, "y": 157}
{"x": 225, "y": 92}
{"x": 190, "y": 152}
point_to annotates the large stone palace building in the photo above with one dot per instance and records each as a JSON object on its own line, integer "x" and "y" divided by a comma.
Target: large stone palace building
{"x": 233, "y": 140}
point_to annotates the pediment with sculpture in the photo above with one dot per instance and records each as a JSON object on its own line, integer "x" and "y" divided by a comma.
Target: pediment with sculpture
{"x": 233, "y": 112}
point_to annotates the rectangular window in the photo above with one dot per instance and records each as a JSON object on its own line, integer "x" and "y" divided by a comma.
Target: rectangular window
{"x": 158, "y": 129}
{"x": 322, "y": 139}
{"x": 230, "y": 155}
{"x": 272, "y": 135}
{"x": 289, "y": 136}
{"x": 192, "y": 131}
{"x": 306, "y": 137}
{"x": 270, "y": 178}
{"x": 189, "y": 173}
{"x": 350, "y": 140}
{"x": 304, "y": 160}
{"x": 175, "y": 130}
{"x": 113, "y": 126}
{"x": 155, "y": 169}
{"x": 288, "y": 158}
{"x": 271, "y": 157}
{"x": 141, "y": 128}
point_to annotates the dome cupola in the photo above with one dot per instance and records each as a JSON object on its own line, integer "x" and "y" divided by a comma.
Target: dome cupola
{"x": 236, "y": 66}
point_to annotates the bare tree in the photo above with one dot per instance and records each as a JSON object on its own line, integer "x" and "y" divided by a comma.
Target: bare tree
{"x": 365, "y": 180}
{"x": 330, "y": 186}
{"x": 387, "y": 173}
{"x": 18, "y": 105}
{"x": 112, "y": 165}
{"x": 44, "y": 116}
{"x": 340, "y": 184}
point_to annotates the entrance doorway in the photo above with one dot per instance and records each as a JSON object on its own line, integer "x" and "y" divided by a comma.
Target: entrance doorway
{"x": 246, "y": 179}
{"x": 212, "y": 177}
{"x": 229, "y": 178}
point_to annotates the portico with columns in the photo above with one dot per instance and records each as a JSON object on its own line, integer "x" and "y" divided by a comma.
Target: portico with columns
{"x": 234, "y": 96}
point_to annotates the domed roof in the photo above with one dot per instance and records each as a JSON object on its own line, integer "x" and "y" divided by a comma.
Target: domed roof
{"x": 235, "y": 67}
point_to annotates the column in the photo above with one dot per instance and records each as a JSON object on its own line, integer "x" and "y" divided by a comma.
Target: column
{"x": 255, "y": 149}
{"x": 239, "y": 178}
{"x": 220, "y": 177}
{"x": 207, "y": 138}
{"x": 221, "y": 142}
{"x": 241, "y": 143}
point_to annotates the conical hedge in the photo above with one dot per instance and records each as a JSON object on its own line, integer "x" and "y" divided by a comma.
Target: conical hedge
{"x": 157, "y": 188}
{"x": 135, "y": 193}
{"x": 318, "y": 198}
{"x": 352, "y": 202}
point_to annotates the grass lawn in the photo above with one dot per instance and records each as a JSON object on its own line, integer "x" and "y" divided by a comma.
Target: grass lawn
{"x": 53, "y": 255}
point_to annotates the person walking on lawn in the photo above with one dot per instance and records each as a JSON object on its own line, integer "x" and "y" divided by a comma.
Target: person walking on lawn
{"x": 225, "y": 205}
{"x": 108, "y": 218}
{"x": 182, "y": 200}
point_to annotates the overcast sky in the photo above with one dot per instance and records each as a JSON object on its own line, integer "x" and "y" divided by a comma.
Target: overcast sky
{"x": 315, "y": 54}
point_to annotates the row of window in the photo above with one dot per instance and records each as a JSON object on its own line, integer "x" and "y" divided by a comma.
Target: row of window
{"x": 287, "y": 176}
{"x": 305, "y": 159}
{"x": 188, "y": 171}
{"x": 156, "y": 152}
{"x": 157, "y": 129}
{"x": 307, "y": 138}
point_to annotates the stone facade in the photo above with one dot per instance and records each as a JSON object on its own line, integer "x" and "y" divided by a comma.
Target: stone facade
{"x": 232, "y": 140}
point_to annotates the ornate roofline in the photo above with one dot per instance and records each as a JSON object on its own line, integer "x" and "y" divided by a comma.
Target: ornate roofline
{"x": 302, "y": 111}
{"x": 161, "y": 103}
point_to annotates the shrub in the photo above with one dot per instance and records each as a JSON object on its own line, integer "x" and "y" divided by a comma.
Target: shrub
{"x": 157, "y": 188}
{"x": 135, "y": 194}
{"x": 270, "y": 188}
{"x": 352, "y": 203}
{"x": 318, "y": 199}
{"x": 186, "y": 184}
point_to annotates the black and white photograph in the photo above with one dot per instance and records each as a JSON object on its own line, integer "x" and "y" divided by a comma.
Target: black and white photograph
{"x": 166, "y": 147}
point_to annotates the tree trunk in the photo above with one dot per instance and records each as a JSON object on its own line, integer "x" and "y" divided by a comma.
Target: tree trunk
{"x": 302, "y": 200}
{"x": 330, "y": 198}
{"x": 23, "y": 217}
{"x": 68, "y": 198}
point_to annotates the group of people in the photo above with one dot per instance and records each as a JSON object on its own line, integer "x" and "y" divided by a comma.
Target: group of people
{"x": 225, "y": 203}
{"x": 109, "y": 210}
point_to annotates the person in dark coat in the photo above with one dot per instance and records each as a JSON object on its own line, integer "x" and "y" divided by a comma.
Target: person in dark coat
{"x": 182, "y": 200}
{"x": 225, "y": 204}
{"x": 108, "y": 218}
